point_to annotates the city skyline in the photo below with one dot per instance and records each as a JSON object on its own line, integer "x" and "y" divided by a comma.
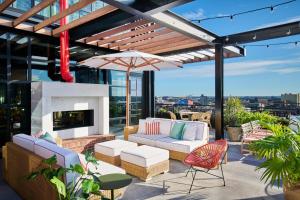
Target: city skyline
{"x": 262, "y": 72}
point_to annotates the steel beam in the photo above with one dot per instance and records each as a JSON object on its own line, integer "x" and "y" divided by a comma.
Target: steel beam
{"x": 219, "y": 89}
{"x": 273, "y": 32}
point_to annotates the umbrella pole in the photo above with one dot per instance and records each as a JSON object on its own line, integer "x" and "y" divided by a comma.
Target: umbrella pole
{"x": 127, "y": 97}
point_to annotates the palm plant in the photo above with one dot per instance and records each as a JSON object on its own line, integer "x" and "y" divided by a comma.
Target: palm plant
{"x": 281, "y": 155}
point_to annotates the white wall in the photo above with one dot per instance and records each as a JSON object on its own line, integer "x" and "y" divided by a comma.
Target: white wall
{"x": 49, "y": 97}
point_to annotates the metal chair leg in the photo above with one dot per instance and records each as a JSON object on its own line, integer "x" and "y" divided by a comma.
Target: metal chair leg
{"x": 193, "y": 181}
{"x": 222, "y": 174}
{"x": 188, "y": 171}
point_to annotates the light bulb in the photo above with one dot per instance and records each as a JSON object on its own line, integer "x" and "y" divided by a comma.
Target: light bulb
{"x": 254, "y": 37}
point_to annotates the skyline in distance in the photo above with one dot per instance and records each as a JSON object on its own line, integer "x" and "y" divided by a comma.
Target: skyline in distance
{"x": 262, "y": 72}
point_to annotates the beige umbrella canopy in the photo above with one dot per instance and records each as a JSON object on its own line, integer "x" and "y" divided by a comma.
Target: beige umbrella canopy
{"x": 131, "y": 61}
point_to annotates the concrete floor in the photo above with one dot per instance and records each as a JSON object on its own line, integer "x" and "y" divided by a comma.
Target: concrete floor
{"x": 242, "y": 182}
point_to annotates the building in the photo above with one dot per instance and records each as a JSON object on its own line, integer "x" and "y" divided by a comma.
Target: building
{"x": 30, "y": 52}
{"x": 291, "y": 98}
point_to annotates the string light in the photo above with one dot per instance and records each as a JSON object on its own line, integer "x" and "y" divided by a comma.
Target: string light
{"x": 254, "y": 37}
{"x": 272, "y": 44}
{"x": 271, "y": 8}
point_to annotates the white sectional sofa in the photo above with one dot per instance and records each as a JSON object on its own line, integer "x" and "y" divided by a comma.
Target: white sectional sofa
{"x": 26, "y": 153}
{"x": 178, "y": 148}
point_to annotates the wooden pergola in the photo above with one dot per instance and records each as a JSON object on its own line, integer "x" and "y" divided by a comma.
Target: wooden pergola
{"x": 160, "y": 33}
{"x": 146, "y": 26}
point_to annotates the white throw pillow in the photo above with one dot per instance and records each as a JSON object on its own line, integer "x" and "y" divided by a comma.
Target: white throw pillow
{"x": 190, "y": 132}
{"x": 165, "y": 126}
{"x": 142, "y": 123}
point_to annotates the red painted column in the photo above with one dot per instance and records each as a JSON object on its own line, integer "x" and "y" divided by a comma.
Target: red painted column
{"x": 64, "y": 46}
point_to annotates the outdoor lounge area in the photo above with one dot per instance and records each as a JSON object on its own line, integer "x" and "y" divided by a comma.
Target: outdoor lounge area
{"x": 100, "y": 100}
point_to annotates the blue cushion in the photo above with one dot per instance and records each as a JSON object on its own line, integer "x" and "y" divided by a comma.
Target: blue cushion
{"x": 48, "y": 138}
{"x": 177, "y": 131}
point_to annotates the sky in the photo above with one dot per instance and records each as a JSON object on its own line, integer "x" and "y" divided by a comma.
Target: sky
{"x": 262, "y": 72}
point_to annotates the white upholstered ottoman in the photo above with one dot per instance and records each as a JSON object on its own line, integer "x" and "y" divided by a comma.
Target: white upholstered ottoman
{"x": 145, "y": 161}
{"x": 110, "y": 151}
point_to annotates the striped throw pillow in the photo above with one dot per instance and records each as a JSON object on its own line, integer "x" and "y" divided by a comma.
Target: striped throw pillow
{"x": 152, "y": 128}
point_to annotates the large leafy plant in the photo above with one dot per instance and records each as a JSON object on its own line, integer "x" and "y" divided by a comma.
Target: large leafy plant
{"x": 281, "y": 155}
{"x": 233, "y": 107}
{"x": 84, "y": 185}
{"x": 265, "y": 117}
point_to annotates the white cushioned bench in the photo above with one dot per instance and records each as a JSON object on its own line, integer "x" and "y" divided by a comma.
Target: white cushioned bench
{"x": 110, "y": 151}
{"x": 145, "y": 161}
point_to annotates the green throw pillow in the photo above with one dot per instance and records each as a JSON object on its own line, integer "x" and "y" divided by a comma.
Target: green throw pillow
{"x": 48, "y": 138}
{"x": 177, "y": 131}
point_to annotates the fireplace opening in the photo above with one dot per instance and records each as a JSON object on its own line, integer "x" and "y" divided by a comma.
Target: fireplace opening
{"x": 72, "y": 119}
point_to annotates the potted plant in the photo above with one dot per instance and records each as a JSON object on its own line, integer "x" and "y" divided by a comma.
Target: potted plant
{"x": 231, "y": 119}
{"x": 281, "y": 159}
{"x": 86, "y": 185}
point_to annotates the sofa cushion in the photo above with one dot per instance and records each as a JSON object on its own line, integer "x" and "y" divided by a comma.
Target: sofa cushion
{"x": 103, "y": 168}
{"x": 144, "y": 156}
{"x": 177, "y": 130}
{"x": 144, "y": 139}
{"x": 64, "y": 156}
{"x": 113, "y": 147}
{"x": 202, "y": 131}
{"x": 165, "y": 125}
{"x": 179, "y": 145}
{"x": 142, "y": 125}
{"x": 25, "y": 141}
{"x": 189, "y": 132}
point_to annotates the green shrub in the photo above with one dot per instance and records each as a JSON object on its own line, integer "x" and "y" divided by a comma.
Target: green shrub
{"x": 264, "y": 117}
{"x": 233, "y": 107}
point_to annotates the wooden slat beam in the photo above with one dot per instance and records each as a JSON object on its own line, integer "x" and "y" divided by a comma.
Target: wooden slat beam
{"x": 129, "y": 34}
{"x": 161, "y": 42}
{"x": 185, "y": 44}
{"x": 32, "y": 12}
{"x": 73, "y": 8}
{"x": 167, "y": 45}
{"x": 116, "y": 30}
{"x": 91, "y": 16}
{"x": 5, "y": 4}
{"x": 155, "y": 39}
{"x": 140, "y": 37}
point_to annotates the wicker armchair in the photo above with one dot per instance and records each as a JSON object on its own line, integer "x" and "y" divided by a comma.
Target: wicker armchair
{"x": 202, "y": 117}
{"x": 172, "y": 115}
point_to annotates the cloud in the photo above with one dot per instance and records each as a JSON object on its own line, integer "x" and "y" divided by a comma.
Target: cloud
{"x": 192, "y": 15}
{"x": 279, "y": 66}
{"x": 290, "y": 20}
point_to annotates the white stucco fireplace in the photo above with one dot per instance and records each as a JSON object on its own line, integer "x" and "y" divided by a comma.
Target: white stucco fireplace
{"x": 48, "y": 98}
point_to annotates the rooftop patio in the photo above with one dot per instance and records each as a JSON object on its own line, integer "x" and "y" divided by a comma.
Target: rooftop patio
{"x": 114, "y": 27}
{"x": 242, "y": 182}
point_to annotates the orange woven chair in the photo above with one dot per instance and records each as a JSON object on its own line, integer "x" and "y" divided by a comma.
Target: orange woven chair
{"x": 207, "y": 157}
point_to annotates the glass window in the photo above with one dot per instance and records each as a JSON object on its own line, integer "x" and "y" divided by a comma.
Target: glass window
{"x": 117, "y": 92}
{"x": 40, "y": 75}
{"x": 22, "y": 4}
{"x": 2, "y": 93}
{"x": 4, "y": 134}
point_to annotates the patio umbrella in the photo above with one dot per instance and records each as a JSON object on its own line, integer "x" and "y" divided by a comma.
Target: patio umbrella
{"x": 131, "y": 61}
